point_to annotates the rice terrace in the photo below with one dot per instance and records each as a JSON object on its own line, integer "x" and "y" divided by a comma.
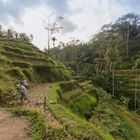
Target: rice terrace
{"x": 69, "y": 70}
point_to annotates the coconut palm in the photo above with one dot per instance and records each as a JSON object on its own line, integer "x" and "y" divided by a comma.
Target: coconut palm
{"x": 53, "y": 40}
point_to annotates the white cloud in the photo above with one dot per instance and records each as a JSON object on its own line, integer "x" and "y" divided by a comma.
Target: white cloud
{"x": 83, "y": 18}
{"x": 94, "y": 14}
{"x": 69, "y": 26}
{"x": 33, "y": 24}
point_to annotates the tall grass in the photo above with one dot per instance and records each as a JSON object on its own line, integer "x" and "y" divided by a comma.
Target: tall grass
{"x": 77, "y": 127}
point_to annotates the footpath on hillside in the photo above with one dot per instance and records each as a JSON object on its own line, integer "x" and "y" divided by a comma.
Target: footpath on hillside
{"x": 17, "y": 127}
{"x": 12, "y": 127}
{"x": 36, "y": 96}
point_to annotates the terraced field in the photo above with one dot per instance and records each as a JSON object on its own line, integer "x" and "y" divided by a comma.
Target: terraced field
{"x": 133, "y": 80}
{"x": 21, "y": 60}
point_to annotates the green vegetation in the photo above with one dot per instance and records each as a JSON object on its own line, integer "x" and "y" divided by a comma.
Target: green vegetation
{"x": 93, "y": 107}
{"x": 105, "y": 116}
{"x": 83, "y": 105}
{"x": 132, "y": 126}
{"x": 68, "y": 85}
{"x": 110, "y": 58}
{"x": 94, "y": 97}
{"x": 67, "y": 96}
{"x": 16, "y": 72}
{"x": 20, "y": 59}
{"x": 77, "y": 127}
{"x": 80, "y": 102}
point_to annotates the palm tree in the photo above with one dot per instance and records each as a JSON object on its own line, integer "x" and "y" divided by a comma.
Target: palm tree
{"x": 53, "y": 40}
{"x": 52, "y": 26}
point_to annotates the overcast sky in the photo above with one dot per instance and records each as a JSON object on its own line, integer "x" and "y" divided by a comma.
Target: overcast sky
{"x": 82, "y": 18}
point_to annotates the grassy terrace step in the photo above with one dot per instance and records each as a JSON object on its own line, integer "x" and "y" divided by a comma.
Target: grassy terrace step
{"x": 128, "y": 80}
{"x": 49, "y": 65}
{"x": 19, "y": 44}
{"x": 125, "y": 75}
{"x": 68, "y": 85}
{"x": 132, "y": 80}
{"x": 3, "y": 39}
{"x": 14, "y": 56}
{"x": 75, "y": 126}
{"x": 126, "y": 72}
{"x": 20, "y": 64}
{"x": 15, "y": 72}
{"x": 133, "y": 90}
{"x": 132, "y": 85}
{"x": 70, "y": 95}
{"x": 4, "y": 60}
{"x": 21, "y": 51}
{"x": 16, "y": 43}
{"x": 131, "y": 93}
{"x": 132, "y": 125}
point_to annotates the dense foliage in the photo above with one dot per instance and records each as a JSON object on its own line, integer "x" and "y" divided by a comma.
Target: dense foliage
{"x": 108, "y": 57}
{"x": 21, "y": 59}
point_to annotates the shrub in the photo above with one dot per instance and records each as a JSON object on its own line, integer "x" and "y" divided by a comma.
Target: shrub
{"x": 4, "y": 60}
{"x": 14, "y": 49}
{"x": 48, "y": 73}
{"x": 57, "y": 74}
{"x": 21, "y": 51}
{"x": 29, "y": 74}
{"x": 70, "y": 95}
{"x": 6, "y": 91}
{"x": 12, "y": 55}
{"x": 68, "y": 85}
{"x": 5, "y": 95}
{"x": 83, "y": 105}
{"x": 16, "y": 72}
{"x": 42, "y": 73}
{"x": 131, "y": 104}
{"x": 2, "y": 73}
{"x": 21, "y": 64}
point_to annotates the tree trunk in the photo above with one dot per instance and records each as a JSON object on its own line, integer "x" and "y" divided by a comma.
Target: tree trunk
{"x": 136, "y": 84}
{"x": 48, "y": 37}
{"x": 127, "y": 41}
{"x": 77, "y": 69}
{"x": 113, "y": 79}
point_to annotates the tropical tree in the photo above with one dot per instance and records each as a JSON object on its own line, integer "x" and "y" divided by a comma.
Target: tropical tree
{"x": 31, "y": 37}
{"x": 10, "y": 33}
{"x": 53, "y": 40}
{"x": 128, "y": 27}
{"x": 1, "y": 31}
{"x": 24, "y": 37}
{"x": 52, "y": 27}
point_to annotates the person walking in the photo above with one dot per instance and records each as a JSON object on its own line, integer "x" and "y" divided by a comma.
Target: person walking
{"x": 24, "y": 83}
{"x": 23, "y": 93}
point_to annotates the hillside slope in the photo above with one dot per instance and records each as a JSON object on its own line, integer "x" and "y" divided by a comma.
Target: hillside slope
{"x": 93, "y": 108}
{"x": 19, "y": 59}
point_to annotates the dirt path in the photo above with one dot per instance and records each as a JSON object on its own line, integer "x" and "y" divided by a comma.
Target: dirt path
{"x": 11, "y": 127}
{"x": 36, "y": 96}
